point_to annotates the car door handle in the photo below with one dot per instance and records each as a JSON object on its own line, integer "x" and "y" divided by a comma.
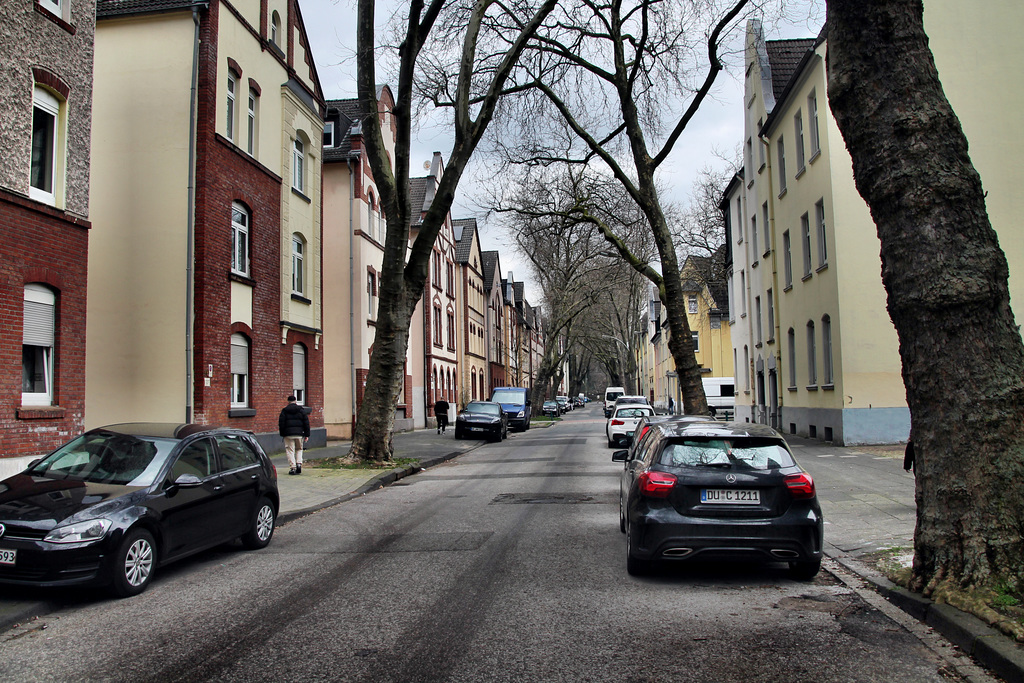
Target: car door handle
{"x": 255, "y": 476}
{"x": 218, "y": 487}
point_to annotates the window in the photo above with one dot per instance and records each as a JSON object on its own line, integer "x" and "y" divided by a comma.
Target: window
{"x": 696, "y": 341}
{"x": 826, "y": 350}
{"x": 43, "y": 172}
{"x": 329, "y": 134}
{"x": 805, "y": 237}
{"x": 371, "y": 293}
{"x": 798, "y": 129}
{"x": 757, "y": 315}
{"x": 235, "y": 453}
{"x": 746, "y": 368}
{"x": 37, "y": 345}
{"x": 437, "y": 325}
{"x": 451, "y": 331}
{"x": 197, "y": 459}
{"x": 251, "y": 133}
{"x": 760, "y": 148}
{"x": 275, "y": 29}
{"x": 239, "y": 239}
{"x": 791, "y": 344}
{"x": 771, "y": 316}
{"x": 730, "y": 283}
{"x": 298, "y": 269}
{"x": 437, "y": 269}
{"x": 692, "y": 302}
{"x": 52, "y": 5}
{"x": 764, "y": 222}
{"x": 739, "y": 221}
{"x": 298, "y": 162}
{"x": 819, "y": 222}
{"x": 299, "y": 373}
{"x": 743, "y": 293}
{"x": 812, "y": 362}
{"x": 782, "y": 166}
{"x": 451, "y": 279}
{"x": 812, "y": 120}
{"x": 748, "y": 160}
{"x": 232, "y": 87}
{"x": 787, "y": 259}
{"x": 239, "y": 371}
{"x": 753, "y": 236}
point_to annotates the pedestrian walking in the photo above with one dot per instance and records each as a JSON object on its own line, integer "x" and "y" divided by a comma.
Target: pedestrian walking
{"x": 441, "y": 413}
{"x": 293, "y": 425}
{"x": 908, "y": 456}
{"x": 671, "y": 406}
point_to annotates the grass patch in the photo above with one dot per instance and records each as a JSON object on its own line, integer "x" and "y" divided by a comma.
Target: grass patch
{"x": 345, "y": 463}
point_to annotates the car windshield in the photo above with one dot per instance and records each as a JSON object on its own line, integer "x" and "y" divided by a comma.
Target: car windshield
{"x": 484, "y": 408}
{"x": 612, "y": 395}
{"x": 507, "y": 397}
{"x": 634, "y": 412}
{"x": 107, "y": 458}
{"x": 631, "y": 400}
{"x": 756, "y": 454}
{"x": 550, "y": 404}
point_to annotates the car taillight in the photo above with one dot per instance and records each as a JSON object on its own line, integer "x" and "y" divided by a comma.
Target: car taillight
{"x": 273, "y": 467}
{"x": 617, "y": 422}
{"x": 656, "y": 484}
{"x": 800, "y": 485}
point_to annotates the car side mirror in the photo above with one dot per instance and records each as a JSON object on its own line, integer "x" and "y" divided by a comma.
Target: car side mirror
{"x": 188, "y": 481}
{"x": 620, "y": 456}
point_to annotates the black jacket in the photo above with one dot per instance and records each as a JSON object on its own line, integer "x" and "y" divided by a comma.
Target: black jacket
{"x": 293, "y": 421}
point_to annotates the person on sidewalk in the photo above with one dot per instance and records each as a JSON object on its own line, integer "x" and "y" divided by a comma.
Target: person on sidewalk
{"x": 441, "y": 413}
{"x": 293, "y": 425}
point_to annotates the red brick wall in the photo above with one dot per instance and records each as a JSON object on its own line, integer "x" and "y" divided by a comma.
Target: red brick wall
{"x": 44, "y": 245}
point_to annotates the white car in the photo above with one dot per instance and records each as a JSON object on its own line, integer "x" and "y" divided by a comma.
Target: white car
{"x": 624, "y": 420}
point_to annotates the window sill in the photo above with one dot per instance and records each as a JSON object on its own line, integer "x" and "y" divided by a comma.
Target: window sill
{"x": 791, "y": 388}
{"x": 55, "y": 19}
{"x": 817, "y": 153}
{"x": 782, "y": 193}
{"x": 771, "y": 340}
{"x": 242, "y": 412}
{"x": 757, "y": 345}
{"x": 767, "y": 253}
{"x": 301, "y": 195}
{"x": 41, "y": 413}
{"x": 301, "y": 299}
{"x": 754, "y": 264}
{"x": 787, "y": 287}
{"x": 823, "y": 266}
{"x": 806, "y": 277}
{"x": 243, "y": 279}
{"x": 811, "y": 387}
{"x": 828, "y": 387}
{"x": 800, "y": 171}
{"x": 761, "y": 168}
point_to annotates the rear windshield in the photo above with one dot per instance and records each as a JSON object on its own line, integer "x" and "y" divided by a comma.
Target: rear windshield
{"x": 640, "y": 411}
{"x": 509, "y": 396}
{"x": 754, "y": 454}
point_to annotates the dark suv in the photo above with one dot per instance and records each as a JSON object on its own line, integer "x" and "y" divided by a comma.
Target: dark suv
{"x": 717, "y": 490}
{"x": 112, "y": 505}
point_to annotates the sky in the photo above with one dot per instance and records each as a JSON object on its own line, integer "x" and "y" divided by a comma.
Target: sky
{"x": 716, "y": 130}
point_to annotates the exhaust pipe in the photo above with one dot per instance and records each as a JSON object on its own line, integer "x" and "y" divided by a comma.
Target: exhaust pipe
{"x": 677, "y": 552}
{"x": 785, "y": 554}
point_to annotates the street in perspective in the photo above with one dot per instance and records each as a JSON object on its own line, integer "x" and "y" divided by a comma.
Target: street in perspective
{"x": 505, "y": 563}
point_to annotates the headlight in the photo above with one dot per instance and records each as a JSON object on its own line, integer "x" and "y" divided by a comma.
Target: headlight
{"x": 521, "y": 413}
{"x": 80, "y": 532}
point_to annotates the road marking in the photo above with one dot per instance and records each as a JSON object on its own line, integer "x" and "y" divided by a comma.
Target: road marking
{"x": 847, "y": 456}
{"x": 827, "y": 455}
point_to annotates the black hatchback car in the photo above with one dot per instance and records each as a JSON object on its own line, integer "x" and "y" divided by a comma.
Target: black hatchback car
{"x": 112, "y": 505}
{"x": 717, "y": 491}
{"x": 482, "y": 418}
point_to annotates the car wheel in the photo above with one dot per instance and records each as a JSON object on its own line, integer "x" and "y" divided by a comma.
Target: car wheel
{"x": 262, "y": 530}
{"x": 805, "y": 570}
{"x": 134, "y": 563}
{"x": 634, "y": 565}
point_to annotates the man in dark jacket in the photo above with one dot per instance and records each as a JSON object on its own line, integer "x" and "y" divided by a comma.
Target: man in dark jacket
{"x": 441, "y": 413}
{"x": 293, "y": 425}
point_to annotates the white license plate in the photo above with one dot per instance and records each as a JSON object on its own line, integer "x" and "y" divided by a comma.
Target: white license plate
{"x": 7, "y": 556}
{"x": 730, "y": 496}
{"x": 476, "y": 429}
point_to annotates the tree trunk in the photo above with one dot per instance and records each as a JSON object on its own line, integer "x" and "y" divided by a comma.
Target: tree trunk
{"x": 946, "y": 281}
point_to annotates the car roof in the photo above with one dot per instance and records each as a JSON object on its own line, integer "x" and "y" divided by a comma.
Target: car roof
{"x": 162, "y": 430}
{"x": 712, "y": 428}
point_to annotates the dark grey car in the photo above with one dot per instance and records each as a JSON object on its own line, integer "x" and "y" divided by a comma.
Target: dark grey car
{"x": 717, "y": 491}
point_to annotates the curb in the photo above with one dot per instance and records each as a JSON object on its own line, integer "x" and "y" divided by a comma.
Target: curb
{"x": 992, "y": 649}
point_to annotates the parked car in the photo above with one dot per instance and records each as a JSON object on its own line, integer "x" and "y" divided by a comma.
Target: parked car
{"x": 717, "y": 490}
{"x": 515, "y": 402}
{"x": 481, "y": 418}
{"x": 626, "y": 400}
{"x": 610, "y": 394}
{"x": 116, "y": 503}
{"x": 563, "y": 403}
{"x": 620, "y": 426}
{"x": 551, "y": 409}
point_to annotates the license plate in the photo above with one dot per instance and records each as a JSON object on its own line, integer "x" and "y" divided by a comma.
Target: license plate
{"x": 476, "y": 429}
{"x": 730, "y": 496}
{"x": 7, "y": 556}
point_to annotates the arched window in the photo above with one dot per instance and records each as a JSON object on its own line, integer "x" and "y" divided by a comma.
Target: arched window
{"x": 473, "y": 383}
{"x": 791, "y": 346}
{"x": 298, "y": 265}
{"x": 275, "y": 28}
{"x": 239, "y": 371}
{"x": 434, "y": 388}
{"x": 240, "y": 221}
{"x": 826, "y": 350}
{"x": 299, "y": 165}
{"x": 299, "y": 373}
{"x": 229, "y": 130}
{"x": 252, "y": 131}
{"x": 38, "y": 341}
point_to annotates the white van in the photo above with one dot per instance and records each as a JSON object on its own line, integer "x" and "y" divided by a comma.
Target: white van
{"x": 610, "y": 394}
{"x": 720, "y": 392}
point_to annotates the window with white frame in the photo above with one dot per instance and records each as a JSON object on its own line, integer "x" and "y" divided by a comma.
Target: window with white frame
{"x": 739, "y": 220}
{"x": 298, "y": 265}
{"x": 371, "y": 295}
{"x": 781, "y": 145}
{"x": 771, "y": 316}
{"x": 791, "y": 344}
{"x": 692, "y": 303}
{"x": 229, "y": 130}
{"x": 812, "y": 361}
{"x": 240, "y": 220}
{"x": 299, "y": 373}
{"x": 239, "y": 371}
{"x": 298, "y": 165}
{"x": 805, "y": 237}
{"x": 275, "y": 28}
{"x": 54, "y": 6}
{"x": 38, "y": 342}
{"x": 252, "y": 133}
{"x": 695, "y": 336}
{"x": 826, "y": 350}
{"x": 798, "y": 129}
{"x": 329, "y": 134}
{"x": 787, "y": 259}
{"x": 43, "y": 174}
{"x": 819, "y": 222}
{"x": 764, "y": 223}
{"x": 812, "y": 121}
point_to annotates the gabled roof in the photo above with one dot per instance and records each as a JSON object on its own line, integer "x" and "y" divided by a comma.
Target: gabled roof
{"x": 490, "y": 267}
{"x": 784, "y": 57}
{"x": 116, "y": 8}
{"x": 421, "y": 193}
{"x": 464, "y": 229}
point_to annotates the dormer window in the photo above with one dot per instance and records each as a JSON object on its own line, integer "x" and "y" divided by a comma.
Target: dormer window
{"x": 329, "y": 134}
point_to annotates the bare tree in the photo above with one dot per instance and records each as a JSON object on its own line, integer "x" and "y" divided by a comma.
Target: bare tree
{"x": 626, "y": 78}
{"x": 946, "y": 281}
{"x": 479, "y": 79}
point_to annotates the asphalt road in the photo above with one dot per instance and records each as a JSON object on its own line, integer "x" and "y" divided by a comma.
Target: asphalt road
{"x": 504, "y": 565}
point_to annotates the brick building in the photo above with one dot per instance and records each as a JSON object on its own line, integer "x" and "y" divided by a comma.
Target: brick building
{"x": 205, "y": 276}
{"x": 46, "y": 109}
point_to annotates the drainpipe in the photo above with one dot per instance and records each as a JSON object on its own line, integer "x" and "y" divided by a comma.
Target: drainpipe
{"x": 190, "y": 223}
{"x": 352, "y": 287}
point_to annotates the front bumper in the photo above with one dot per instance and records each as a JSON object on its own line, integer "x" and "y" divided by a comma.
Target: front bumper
{"x": 51, "y": 564}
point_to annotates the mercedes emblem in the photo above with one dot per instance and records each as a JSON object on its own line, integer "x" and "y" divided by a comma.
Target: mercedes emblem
{"x": 731, "y": 478}
{"x": 2, "y": 530}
